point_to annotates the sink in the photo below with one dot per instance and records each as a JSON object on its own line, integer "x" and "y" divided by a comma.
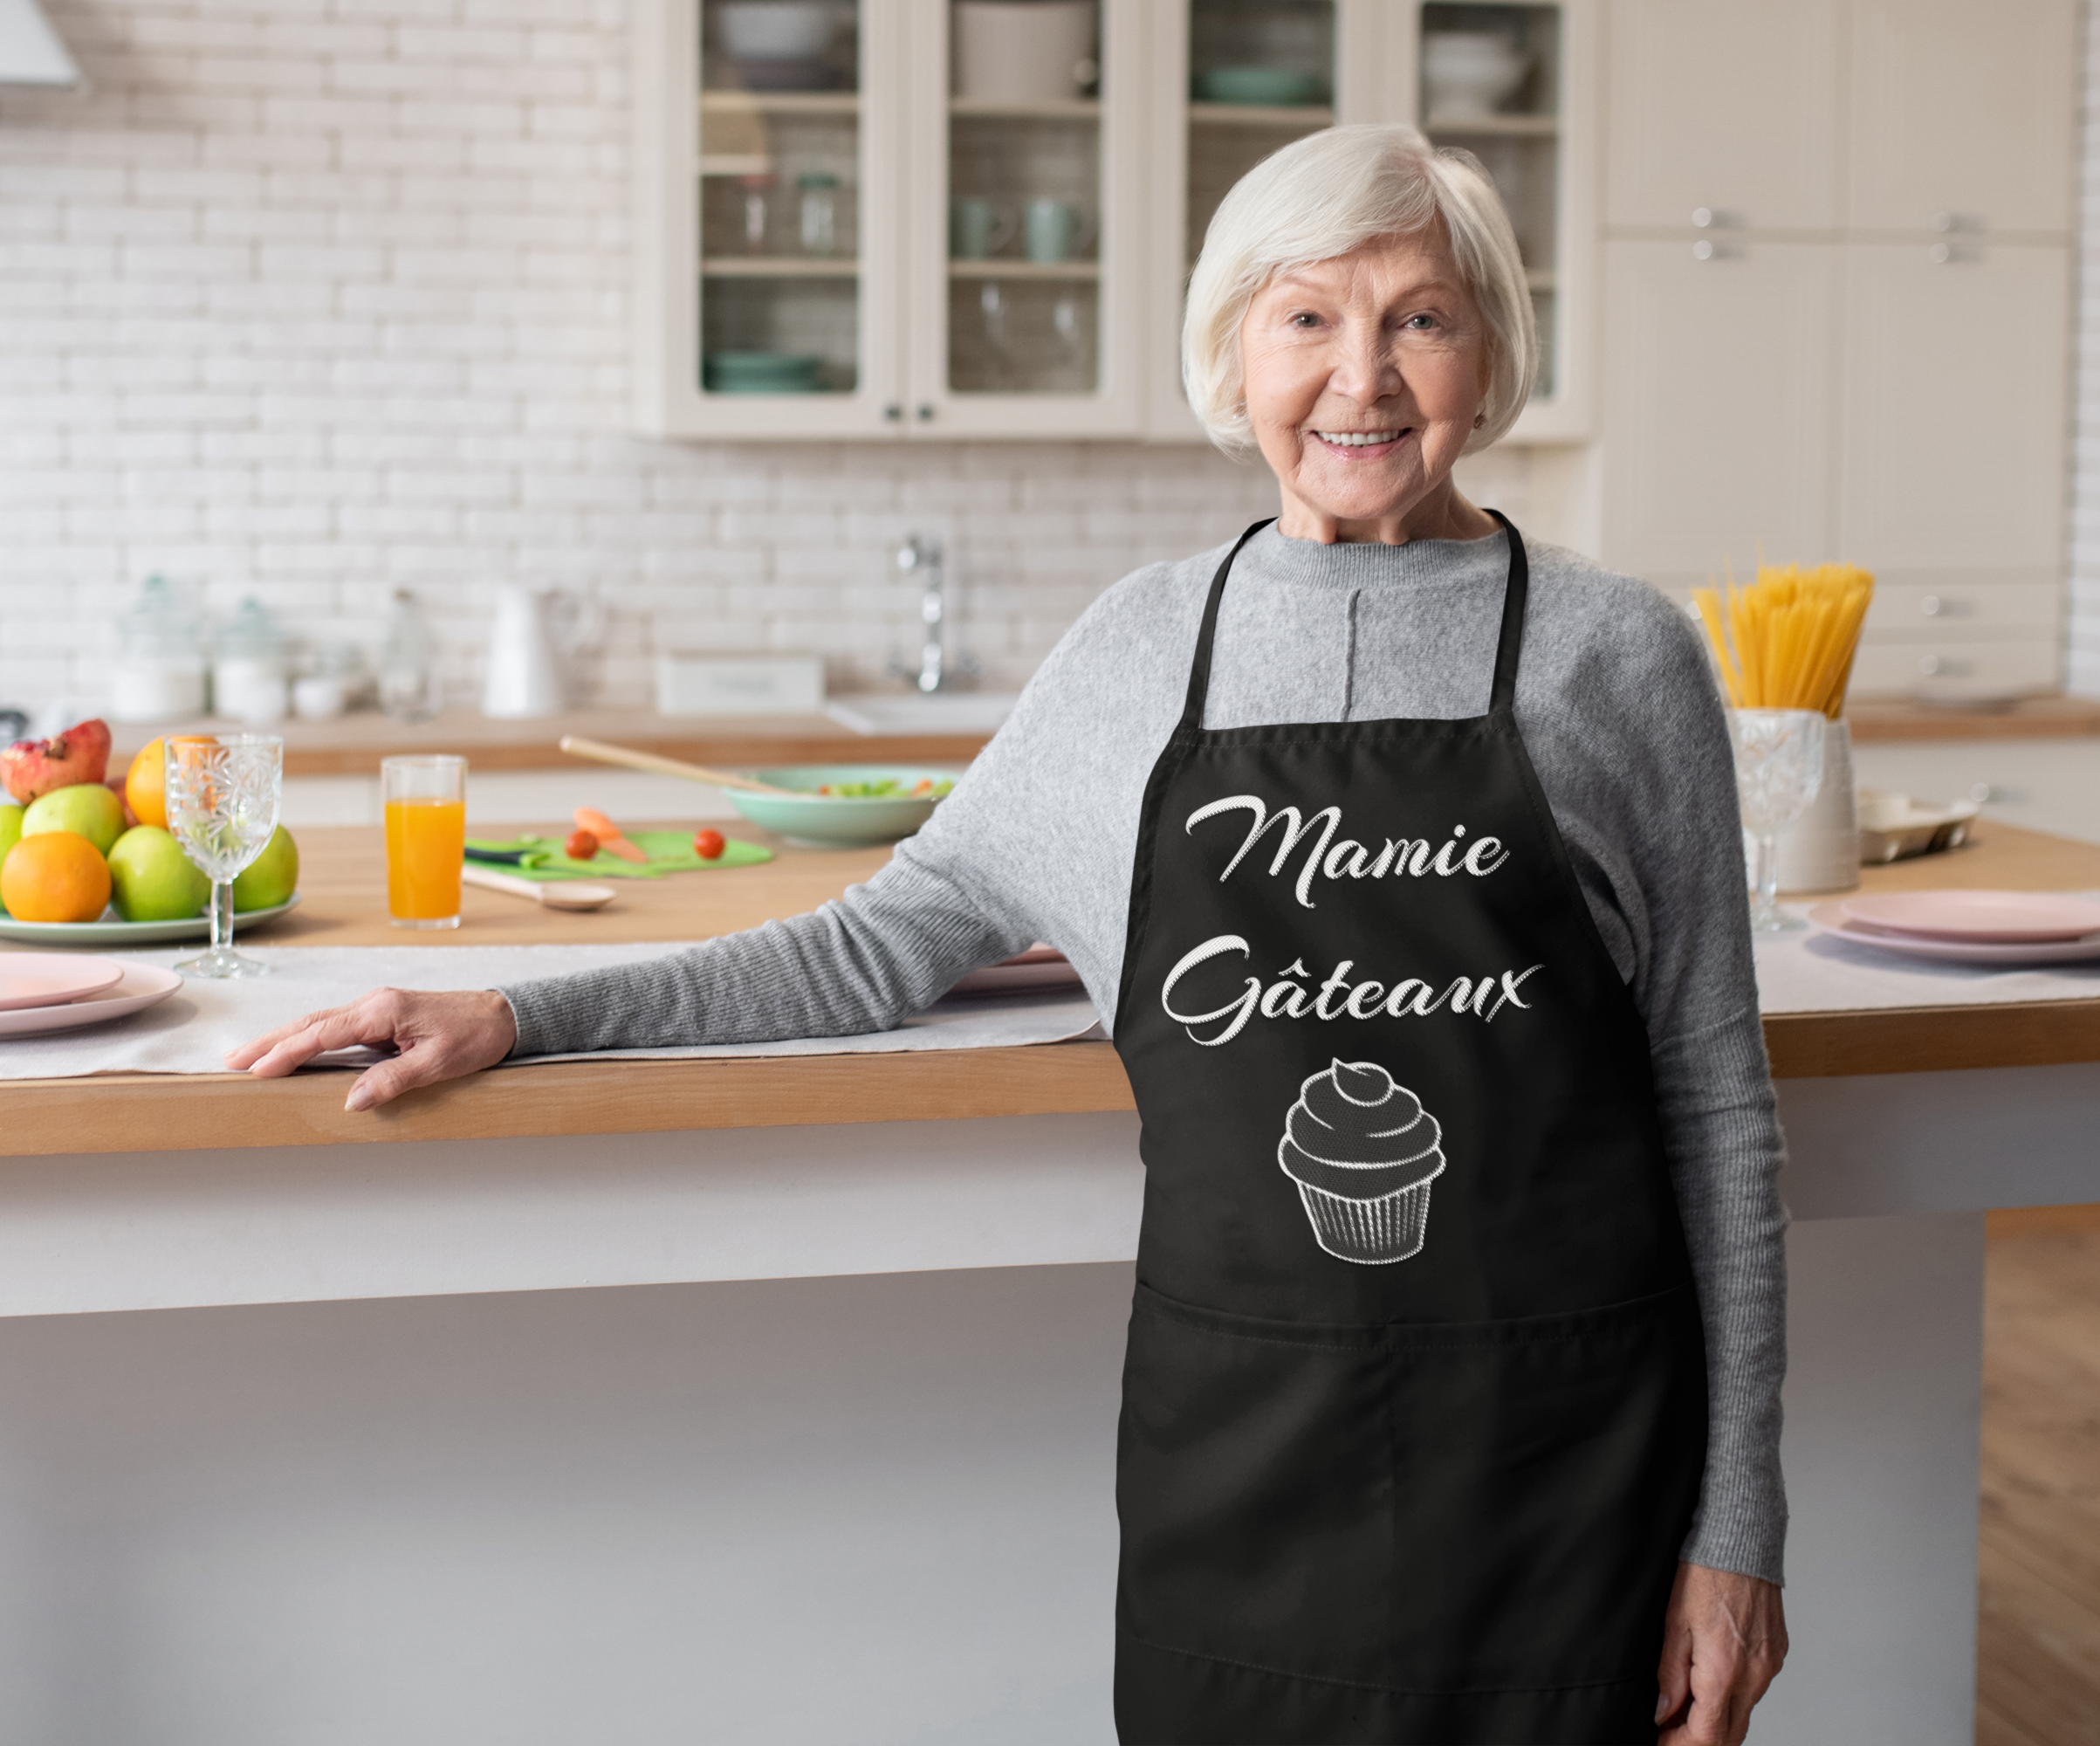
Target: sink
{"x": 879, "y": 712}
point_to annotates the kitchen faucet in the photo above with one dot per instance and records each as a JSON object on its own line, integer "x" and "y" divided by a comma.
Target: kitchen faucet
{"x": 922, "y": 556}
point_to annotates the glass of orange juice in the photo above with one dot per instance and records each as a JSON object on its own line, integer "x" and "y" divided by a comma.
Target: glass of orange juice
{"x": 426, "y": 802}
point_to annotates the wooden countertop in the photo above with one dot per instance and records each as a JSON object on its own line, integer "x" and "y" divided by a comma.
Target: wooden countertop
{"x": 352, "y": 744}
{"x": 2051, "y": 718}
{"x": 343, "y": 905}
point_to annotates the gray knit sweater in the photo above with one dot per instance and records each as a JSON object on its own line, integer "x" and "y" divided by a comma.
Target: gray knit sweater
{"x": 1624, "y": 727}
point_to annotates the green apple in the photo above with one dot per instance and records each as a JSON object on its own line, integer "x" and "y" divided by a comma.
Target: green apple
{"x": 270, "y": 878}
{"x": 11, "y": 834}
{"x": 88, "y": 809}
{"x": 151, "y": 879}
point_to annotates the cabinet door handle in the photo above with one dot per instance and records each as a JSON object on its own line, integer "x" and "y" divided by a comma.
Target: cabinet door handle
{"x": 1702, "y": 217}
{"x": 894, "y": 412}
{"x": 1943, "y": 222}
{"x": 1939, "y": 254}
{"x": 1930, "y": 606}
{"x": 925, "y": 412}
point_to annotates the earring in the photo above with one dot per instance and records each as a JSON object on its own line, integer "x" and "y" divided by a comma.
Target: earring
{"x": 1479, "y": 421}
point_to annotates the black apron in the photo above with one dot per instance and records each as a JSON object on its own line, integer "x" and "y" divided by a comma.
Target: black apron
{"x": 1414, "y": 1408}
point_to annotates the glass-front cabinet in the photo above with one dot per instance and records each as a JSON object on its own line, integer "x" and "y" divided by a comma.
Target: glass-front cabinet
{"x": 1025, "y": 261}
{"x": 964, "y": 218}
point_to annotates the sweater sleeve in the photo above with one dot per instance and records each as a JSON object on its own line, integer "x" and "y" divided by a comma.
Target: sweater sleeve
{"x": 1646, "y": 798}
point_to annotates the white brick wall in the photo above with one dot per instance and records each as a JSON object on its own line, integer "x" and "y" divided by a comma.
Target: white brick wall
{"x": 309, "y": 299}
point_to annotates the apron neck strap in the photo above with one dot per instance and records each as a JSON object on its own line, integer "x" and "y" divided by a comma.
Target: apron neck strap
{"x": 1199, "y": 670}
{"x": 1504, "y": 696}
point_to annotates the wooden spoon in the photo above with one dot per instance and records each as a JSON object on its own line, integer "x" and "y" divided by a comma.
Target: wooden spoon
{"x": 555, "y": 894}
{"x": 579, "y": 748}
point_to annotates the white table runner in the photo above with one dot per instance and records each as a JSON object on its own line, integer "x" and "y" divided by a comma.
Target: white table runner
{"x": 191, "y": 1030}
{"x": 1813, "y": 973}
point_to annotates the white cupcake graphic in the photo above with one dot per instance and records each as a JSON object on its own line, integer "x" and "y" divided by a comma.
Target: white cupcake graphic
{"x": 1363, "y": 1151}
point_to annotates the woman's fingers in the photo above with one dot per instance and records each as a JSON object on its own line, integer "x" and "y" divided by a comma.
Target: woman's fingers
{"x": 1673, "y": 1677}
{"x": 255, "y": 1049}
{"x": 371, "y": 1021}
{"x": 436, "y": 1036}
{"x": 1730, "y": 1632}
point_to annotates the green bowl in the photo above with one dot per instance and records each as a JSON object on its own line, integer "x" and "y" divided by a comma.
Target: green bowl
{"x": 836, "y": 822}
{"x": 1259, "y": 86}
{"x": 761, "y": 373}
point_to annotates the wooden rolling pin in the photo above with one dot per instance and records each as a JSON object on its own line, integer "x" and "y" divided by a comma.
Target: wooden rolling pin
{"x": 576, "y": 747}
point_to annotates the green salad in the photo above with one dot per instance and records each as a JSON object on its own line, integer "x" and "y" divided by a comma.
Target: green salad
{"x": 887, "y": 788}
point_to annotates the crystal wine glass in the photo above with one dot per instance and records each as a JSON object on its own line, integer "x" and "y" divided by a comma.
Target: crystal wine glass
{"x": 223, "y": 795}
{"x": 1779, "y": 767}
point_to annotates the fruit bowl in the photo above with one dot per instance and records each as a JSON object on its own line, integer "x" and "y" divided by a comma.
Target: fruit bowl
{"x": 112, "y": 932}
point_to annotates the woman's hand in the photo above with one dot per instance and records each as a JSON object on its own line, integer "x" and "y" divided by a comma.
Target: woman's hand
{"x": 1724, "y": 1640}
{"x": 435, "y": 1036}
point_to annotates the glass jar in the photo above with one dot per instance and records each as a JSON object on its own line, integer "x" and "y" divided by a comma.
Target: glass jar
{"x": 756, "y": 194}
{"x": 820, "y": 212}
{"x": 408, "y": 663}
{"x": 159, "y": 671}
{"x": 249, "y": 675}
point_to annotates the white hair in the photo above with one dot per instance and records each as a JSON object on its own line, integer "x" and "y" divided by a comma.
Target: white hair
{"x": 1324, "y": 196}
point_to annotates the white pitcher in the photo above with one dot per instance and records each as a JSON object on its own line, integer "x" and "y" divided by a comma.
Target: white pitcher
{"x": 524, "y": 673}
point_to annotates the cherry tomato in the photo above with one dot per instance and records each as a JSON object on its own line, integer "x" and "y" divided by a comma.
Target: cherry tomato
{"x": 709, "y": 844}
{"x": 582, "y": 846}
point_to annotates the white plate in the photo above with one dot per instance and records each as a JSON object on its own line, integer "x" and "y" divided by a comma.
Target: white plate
{"x": 51, "y": 978}
{"x": 141, "y": 987}
{"x": 1830, "y": 918}
{"x": 127, "y": 934}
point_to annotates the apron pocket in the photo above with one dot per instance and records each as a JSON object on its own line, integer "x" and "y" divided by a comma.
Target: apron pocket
{"x": 1463, "y": 1507}
{"x": 1550, "y": 1467}
{"x": 1254, "y": 1490}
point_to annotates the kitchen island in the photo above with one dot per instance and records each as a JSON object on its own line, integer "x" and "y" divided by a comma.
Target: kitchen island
{"x": 834, "y": 1460}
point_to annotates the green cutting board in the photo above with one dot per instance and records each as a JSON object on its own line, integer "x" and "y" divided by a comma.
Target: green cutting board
{"x": 669, "y": 851}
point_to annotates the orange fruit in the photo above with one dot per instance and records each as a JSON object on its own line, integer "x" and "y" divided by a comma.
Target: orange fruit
{"x": 144, "y": 786}
{"x": 54, "y": 878}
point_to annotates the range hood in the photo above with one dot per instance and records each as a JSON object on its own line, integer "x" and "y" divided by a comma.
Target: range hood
{"x": 31, "y": 52}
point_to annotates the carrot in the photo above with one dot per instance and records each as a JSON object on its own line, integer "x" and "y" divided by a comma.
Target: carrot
{"x": 610, "y": 838}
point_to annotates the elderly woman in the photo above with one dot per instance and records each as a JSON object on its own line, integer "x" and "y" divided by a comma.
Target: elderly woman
{"x": 1403, "y": 863}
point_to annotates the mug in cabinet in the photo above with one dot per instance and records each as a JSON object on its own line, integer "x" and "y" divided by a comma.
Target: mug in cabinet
{"x": 1055, "y": 231}
{"x": 979, "y": 229}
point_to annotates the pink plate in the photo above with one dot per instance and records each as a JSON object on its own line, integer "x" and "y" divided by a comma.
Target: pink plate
{"x": 1829, "y": 919}
{"x": 51, "y": 978}
{"x": 142, "y": 986}
{"x": 1999, "y": 918}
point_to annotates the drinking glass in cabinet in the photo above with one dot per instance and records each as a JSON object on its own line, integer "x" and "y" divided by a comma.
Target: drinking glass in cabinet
{"x": 1261, "y": 73}
{"x": 1490, "y": 82}
{"x": 779, "y": 90}
{"x": 1024, "y": 194}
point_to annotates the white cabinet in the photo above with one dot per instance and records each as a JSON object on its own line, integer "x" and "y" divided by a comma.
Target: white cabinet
{"x": 1962, "y": 115}
{"x": 1717, "y": 405}
{"x": 1953, "y": 406}
{"x": 889, "y": 217}
{"x": 1723, "y": 106}
{"x": 1838, "y": 313}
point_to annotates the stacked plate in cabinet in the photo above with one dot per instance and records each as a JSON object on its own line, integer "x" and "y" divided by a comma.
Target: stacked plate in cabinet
{"x": 1969, "y": 927}
{"x": 42, "y": 992}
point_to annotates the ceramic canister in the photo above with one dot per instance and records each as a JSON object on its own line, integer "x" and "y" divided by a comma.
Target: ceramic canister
{"x": 1821, "y": 853}
{"x": 1021, "y": 50}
